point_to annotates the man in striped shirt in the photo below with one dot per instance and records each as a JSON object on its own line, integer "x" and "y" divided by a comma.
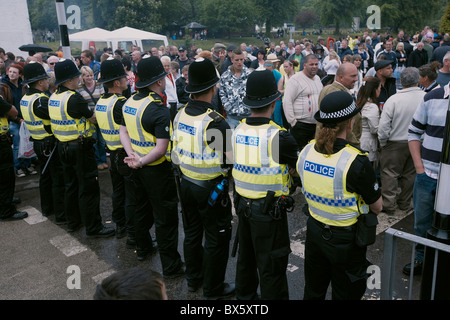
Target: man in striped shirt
{"x": 429, "y": 121}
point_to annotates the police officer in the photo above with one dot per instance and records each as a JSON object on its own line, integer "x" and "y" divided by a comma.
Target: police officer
{"x": 34, "y": 109}
{"x": 263, "y": 155}
{"x": 145, "y": 136}
{"x": 8, "y": 210}
{"x": 339, "y": 185}
{"x": 71, "y": 124}
{"x": 199, "y": 148}
{"x": 108, "y": 112}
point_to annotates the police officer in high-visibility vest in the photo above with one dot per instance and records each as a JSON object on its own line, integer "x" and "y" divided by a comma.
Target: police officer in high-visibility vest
{"x": 343, "y": 197}
{"x": 200, "y": 149}
{"x": 70, "y": 119}
{"x": 264, "y": 159}
{"x": 108, "y": 112}
{"x": 34, "y": 107}
{"x": 145, "y": 136}
{"x": 8, "y": 211}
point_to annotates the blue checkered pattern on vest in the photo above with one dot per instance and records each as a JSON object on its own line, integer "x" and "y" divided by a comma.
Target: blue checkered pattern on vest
{"x": 330, "y": 202}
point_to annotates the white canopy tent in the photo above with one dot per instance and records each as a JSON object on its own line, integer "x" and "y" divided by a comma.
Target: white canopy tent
{"x": 91, "y": 35}
{"x": 136, "y": 37}
{"x": 123, "y": 37}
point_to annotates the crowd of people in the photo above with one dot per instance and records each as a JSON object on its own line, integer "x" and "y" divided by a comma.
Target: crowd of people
{"x": 349, "y": 121}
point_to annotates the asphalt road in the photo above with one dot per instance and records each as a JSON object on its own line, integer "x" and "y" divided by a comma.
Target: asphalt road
{"x": 42, "y": 261}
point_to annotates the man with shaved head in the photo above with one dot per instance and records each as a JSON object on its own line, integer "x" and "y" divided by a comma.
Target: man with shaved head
{"x": 346, "y": 77}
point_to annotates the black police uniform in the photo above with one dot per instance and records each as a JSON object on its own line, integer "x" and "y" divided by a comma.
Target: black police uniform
{"x": 156, "y": 196}
{"x": 124, "y": 193}
{"x": 82, "y": 190}
{"x": 264, "y": 243}
{"x": 206, "y": 262}
{"x": 339, "y": 253}
{"x": 51, "y": 181}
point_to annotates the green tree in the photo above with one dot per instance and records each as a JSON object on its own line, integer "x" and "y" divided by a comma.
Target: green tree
{"x": 140, "y": 14}
{"x": 274, "y": 13}
{"x": 445, "y": 21}
{"x": 410, "y": 15}
{"x": 227, "y": 16}
{"x": 337, "y": 12}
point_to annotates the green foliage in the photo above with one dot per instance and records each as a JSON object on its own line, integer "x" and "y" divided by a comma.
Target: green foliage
{"x": 445, "y": 22}
{"x": 228, "y": 16}
{"x": 412, "y": 15}
{"x": 337, "y": 12}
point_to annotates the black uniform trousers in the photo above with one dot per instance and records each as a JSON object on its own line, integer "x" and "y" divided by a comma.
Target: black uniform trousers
{"x": 51, "y": 181}
{"x": 124, "y": 191}
{"x": 156, "y": 200}
{"x": 82, "y": 190}
{"x": 206, "y": 261}
{"x": 8, "y": 178}
{"x": 264, "y": 249}
{"x": 331, "y": 256}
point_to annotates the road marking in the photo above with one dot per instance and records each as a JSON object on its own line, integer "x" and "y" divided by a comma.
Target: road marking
{"x": 68, "y": 245}
{"x": 99, "y": 278}
{"x": 34, "y": 215}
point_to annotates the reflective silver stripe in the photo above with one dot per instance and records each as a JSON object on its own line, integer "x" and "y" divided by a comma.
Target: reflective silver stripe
{"x": 65, "y": 133}
{"x": 201, "y": 139}
{"x": 37, "y": 132}
{"x": 338, "y": 182}
{"x": 258, "y": 187}
{"x": 265, "y": 159}
{"x": 201, "y": 170}
{"x": 114, "y": 143}
{"x": 30, "y": 107}
{"x": 302, "y": 161}
{"x": 175, "y": 125}
{"x": 138, "y": 118}
{"x": 62, "y": 107}
{"x": 331, "y": 216}
{"x": 109, "y": 113}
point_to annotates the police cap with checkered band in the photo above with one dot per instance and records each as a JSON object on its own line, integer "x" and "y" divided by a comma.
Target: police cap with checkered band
{"x": 336, "y": 107}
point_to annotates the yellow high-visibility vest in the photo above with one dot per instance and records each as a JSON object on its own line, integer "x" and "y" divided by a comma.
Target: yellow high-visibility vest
{"x": 142, "y": 142}
{"x": 4, "y": 125}
{"x": 255, "y": 171}
{"x": 324, "y": 186}
{"x": 196, "y": 158}
{"x": 34, "y": 124}
{"x": 104, "y": 112}
{"x": 64, "y": 127}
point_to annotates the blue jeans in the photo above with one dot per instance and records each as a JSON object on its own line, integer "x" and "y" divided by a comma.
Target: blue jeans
{"x": 18, "y": 162}
{"x": 424, "y": 195}
{"x": 100, "y": 144}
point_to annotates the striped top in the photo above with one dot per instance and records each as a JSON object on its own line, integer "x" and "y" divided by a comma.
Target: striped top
{"x": 429, "y": 121}
{"x": 96, "y": 94}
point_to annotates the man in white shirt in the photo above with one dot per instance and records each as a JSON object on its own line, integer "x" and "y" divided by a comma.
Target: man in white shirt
{"x": 300, "y": 101}
{"x": 396, "y": 163}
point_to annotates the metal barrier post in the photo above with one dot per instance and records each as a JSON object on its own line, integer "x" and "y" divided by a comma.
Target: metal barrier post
{"x": 388, "y": 270}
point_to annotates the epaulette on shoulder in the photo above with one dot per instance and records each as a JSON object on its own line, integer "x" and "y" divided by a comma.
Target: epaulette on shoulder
{"x": 359, "y": 150}
{"x": 217, "y": 117}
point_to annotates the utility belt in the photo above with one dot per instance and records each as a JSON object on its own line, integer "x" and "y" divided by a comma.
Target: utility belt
{"x": 207, "y": 184}
{"x": 218, "y": 188}
{"x": 6, "y": 138}
{"x": 337, "y": 228}
{"x": 80, "y": 141}
{"x": 48, "y": 143}
{"x": 275, "y": 207}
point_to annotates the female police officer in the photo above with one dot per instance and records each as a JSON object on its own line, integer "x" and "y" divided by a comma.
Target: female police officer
{"x": 338, "y": 182}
